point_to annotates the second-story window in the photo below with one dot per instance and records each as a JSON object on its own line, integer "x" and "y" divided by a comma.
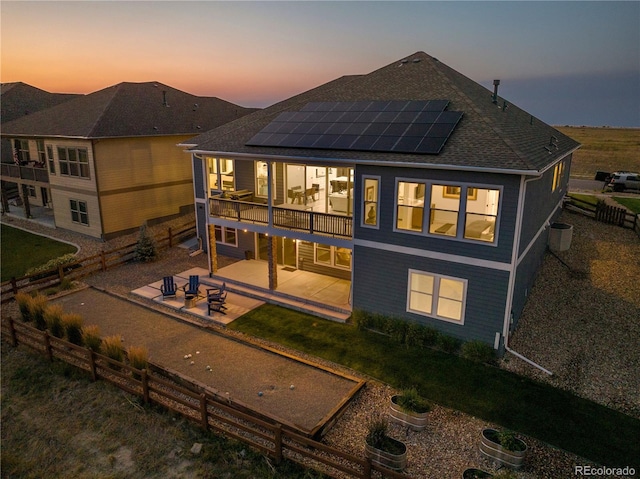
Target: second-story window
{"x": 370, "y": 192}
{"x": 22, "y": 155}
{"x": 410, "y": 206}
{"x": 221, "y": 174}
{"x": 50, "y": 160}
{"x": 42, "y": 156}
{"x": 73, "y": 162}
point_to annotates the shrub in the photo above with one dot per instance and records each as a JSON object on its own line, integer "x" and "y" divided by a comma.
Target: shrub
{"x": 478, "y": 351}
{"x": 448, "y": 344}
{"x": 51, "y": 264}
{"x": 138, "y": 357}
{"x": 429, "y": 335}
{"x": 413, "y": 335}
{"x": 410, "y": 400}
{"x": 73, "y": 327}
{"x": 112, "y": 348}
{"x": 508, "y": 440}
{"x": 53, "y": 317}
{"x": 360, "y": 319}
{"x": 24, "y": 301}
{"x": 36, "y": 310}
{"x": 397, "y": 329}
{"x": 377, "y": 432}
{"x": 91, "y": 337}
{"x": 145, "y": 250}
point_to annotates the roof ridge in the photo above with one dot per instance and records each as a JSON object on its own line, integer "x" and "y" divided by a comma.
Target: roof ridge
{"x": 94, "y": 127}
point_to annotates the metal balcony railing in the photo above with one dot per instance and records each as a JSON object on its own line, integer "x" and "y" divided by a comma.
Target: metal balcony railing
{"x": 283, "y": 217}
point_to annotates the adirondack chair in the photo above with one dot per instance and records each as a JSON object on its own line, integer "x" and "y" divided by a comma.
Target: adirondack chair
{"x": 168, "y": 287}
{"x": 216, "y": 303}
{"x": 193, "y": 286}
{"x": 216, "y": 292}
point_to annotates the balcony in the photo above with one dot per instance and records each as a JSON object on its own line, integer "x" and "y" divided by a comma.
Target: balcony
{"x": 288, "y": 217}
{"x": 32, "y": 173}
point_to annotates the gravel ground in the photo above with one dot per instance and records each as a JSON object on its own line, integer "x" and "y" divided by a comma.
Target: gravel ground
{"x": 600, "y": 305}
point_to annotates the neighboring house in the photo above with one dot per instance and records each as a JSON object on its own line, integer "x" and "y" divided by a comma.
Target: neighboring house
{"x": 432, "y": 194}
{"x": 108, "y": 161}
{"x": 17, "y": 100}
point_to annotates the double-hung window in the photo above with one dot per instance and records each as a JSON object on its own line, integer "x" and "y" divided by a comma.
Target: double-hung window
{"x": 79, "y": 213}
{"x": 410, "y": 206}
{"x": 73, "y": 162}
{"x": 224, "y": 235}
{"x": 436, "y": 296}
{"x": 50, "y": 160}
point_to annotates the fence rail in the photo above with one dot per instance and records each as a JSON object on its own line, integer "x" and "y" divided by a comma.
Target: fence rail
{"x": 605, "y": 213}
{"x": 197, "y": 404}
{"x": 90, "y": 264}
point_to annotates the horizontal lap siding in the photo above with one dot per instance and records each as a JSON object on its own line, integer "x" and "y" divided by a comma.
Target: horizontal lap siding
{"x": 380, "y": 285}
{"x": 245, "y": 243}
{"x": 306, "y": 263}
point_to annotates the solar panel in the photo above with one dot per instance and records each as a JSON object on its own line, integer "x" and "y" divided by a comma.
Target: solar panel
{"x": 400, "y": 126}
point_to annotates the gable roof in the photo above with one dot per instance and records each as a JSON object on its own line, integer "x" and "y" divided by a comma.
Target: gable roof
{"x": 488, "y": 137}
{"x": 127, "y": 110}
{"x": 19, "y": 99}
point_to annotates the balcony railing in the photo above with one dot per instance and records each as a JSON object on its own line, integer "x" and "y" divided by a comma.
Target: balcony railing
{"x": 286, "y": 218}
{"x": 9, "y": 170}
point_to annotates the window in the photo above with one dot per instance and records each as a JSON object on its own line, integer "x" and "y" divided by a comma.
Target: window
{"x": 52, "y": 165}
{"x": 436, "y": 296}
{"x": 445, "y": 206}
{"x": 42, "y": 157}
{"x": 370, "y": 192}
{"x": 220, "y": 174}
{"x": 31, "y": 191}
{"x": 481, "y": 214}
{"x": 22, "y": 155}
{"x": 410, "y": 206}
{"x": 79, "y": 212}
{"x": 558, "y": 173}
{"x": 334, "y": 256}
{"x": 262, "y": 179}
{"x": 224, "y": 235}
{"x": 73, "y": 162}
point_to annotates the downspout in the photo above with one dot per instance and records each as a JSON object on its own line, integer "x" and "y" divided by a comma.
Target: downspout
{"x": 512, "y": 275}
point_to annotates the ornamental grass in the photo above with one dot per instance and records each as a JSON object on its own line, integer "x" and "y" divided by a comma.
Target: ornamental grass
{"x": 91, "y": 337}
{"x": 112, "y": 348}
{"x": 24, "y": 301}
{"x": 36, "y": 310}
{"x": 73, "y": 327}
{"x": 53, "y": 317}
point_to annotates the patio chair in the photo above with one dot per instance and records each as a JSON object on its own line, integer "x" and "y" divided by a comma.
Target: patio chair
{"x": 193, "y": 286}
{"x": 168, "y": 287}
{"x": 216, "y": 291}
{"x": 215, "y": 303}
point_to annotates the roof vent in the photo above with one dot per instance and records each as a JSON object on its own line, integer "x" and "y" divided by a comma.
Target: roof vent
{"x": 416, "y": 60}
{"x": 495, "y": 91}
{"x": 403, "y": 62}
{"x": 164, "y": 98}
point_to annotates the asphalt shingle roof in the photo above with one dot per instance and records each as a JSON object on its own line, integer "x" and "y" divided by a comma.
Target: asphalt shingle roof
{"x": 487, "y": 137}
{"x": 20, "y": 99}
{"x": 127, "y": 110}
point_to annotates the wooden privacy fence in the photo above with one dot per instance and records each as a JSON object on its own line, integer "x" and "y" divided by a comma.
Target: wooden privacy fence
{"x": 197, "y": 404}
{"x": 606, "y": 213}
{"x": 91, "y": 264}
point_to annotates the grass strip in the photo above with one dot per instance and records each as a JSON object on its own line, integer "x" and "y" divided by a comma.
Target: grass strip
{"x": 632, "y": 203}
{"x": 21, "y": 251}
{"x": 539, "y": 410}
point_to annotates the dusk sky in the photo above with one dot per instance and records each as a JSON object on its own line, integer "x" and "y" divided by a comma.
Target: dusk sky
{"x": 575, "y": 63}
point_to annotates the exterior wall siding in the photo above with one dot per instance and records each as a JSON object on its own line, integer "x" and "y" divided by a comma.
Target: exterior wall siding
{"x": 386, "y": 234}
{"x": 199, "y": 183}
{"x": 526, "y": 274}
{"x": 201, "y": 224}
{"x": 306, "y": 263}
{"x": 381, "y": 280}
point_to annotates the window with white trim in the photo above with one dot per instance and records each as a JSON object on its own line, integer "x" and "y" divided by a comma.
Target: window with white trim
{"x": 79, "y": 212}
{"x": 558, "y": 173}
{"x": 410, "y": 206}
{"x": 224, "y": 235}
{"x": 370, "y": 200}
{"x": 334, "y": 256}
{"x": 73, "y": 162}
{"x": 436, "y": 296}
{"x": 50, "y": 160}
{"x": 42, "y": 157}
{"x": 221, "y": 175}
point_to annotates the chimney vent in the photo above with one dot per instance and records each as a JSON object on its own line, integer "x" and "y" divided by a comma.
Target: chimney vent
{"x": 164, "y": 98}
{"x": 495, "y": 90}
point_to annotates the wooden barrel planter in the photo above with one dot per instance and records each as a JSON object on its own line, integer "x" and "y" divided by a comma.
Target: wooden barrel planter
{"x": 396, "y": 460}
{"x": 473, "y": 473}
{"x": 491, "y": 447}
{"x": 415, "y": 420}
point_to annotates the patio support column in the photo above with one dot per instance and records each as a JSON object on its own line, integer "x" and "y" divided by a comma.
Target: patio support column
{"x": 25, "y": 201}
{"x": 213, "y": 253}
{"x": 5, "y": 200}
{"x": 272, "y": 252}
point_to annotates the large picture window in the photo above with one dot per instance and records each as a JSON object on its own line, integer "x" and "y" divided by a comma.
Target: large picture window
{"x": 224, "y": 235}
{"x": 481, "y": 214}
{"x": 79, "y": 213}
{"x": 221, "y": 174}
{"x": 73, "y": 162}
{"x": 436, "y": 296}
{"x": 334, "y": 256}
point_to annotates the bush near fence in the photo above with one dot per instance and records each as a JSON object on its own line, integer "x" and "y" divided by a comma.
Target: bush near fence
{"x": 91, "y": 264}
{"x": 202, "y": 406}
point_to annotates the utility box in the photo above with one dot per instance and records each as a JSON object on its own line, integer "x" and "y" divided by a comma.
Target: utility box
{"x": 560, "y": 235}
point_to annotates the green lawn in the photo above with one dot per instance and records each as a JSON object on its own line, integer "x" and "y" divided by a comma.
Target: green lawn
{"x": 21, "y": 250}
{"x": 632, "y": 203}
{"x": 536, "y": 409}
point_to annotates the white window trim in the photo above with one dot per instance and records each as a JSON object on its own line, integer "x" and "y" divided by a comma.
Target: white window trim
{"x": 461, "y": 212}
{"x": 223, "y": 231}
{"x": 218, "y": 174}
{"x": 79, "y": 212}
{"x": 434, "y": 304}
{"x": 332, "y": 250}
{"x": 363, "y": 215}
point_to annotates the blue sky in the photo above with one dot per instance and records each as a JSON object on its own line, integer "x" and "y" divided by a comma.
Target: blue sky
{"x": 575, "y": 62}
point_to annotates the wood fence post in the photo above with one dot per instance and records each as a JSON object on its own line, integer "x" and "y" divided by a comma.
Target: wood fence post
{"x": 145, "y": 386}
{"x": 103, "y": 260}
{"x": 277, "y": 443}
{"x": 12, "y": 332}
{"x": 14, "y": 285}
{"x": 366, "y": 473}
{"x": 61, "y": 272}
{"x": 92, "y": 364}
{"x": 47, "y": 345}
{"x": 204, "y": 417}
{"x": 169, "y": 233}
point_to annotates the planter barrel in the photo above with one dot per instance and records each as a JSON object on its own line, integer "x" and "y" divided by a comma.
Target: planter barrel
{"x": 493, "y": 450}
{"x": 473, "y": 473}
{"x": 415, "y": 420}
{"x": 397, "y": 462}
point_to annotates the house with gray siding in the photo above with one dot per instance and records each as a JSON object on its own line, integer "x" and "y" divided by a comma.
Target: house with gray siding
{"x": 432, "y": 195}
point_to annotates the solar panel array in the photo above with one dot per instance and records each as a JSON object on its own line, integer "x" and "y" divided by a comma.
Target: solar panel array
{"x": 385, "y": 126}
